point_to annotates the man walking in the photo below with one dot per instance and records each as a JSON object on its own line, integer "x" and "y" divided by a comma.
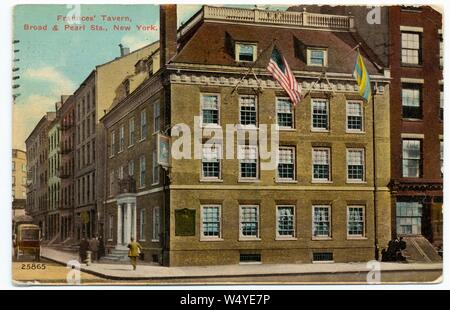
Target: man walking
{"x": 133, "y": 253}
{"x": 93, "y": 246}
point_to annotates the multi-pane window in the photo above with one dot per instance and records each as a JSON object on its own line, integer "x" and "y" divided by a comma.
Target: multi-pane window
{"x": 142, "y": 226}
{"x": 285, "y": 113}
{"x": 321, "y": 221}
{"x": 317, "y": 57}
{"x": 411, "y": 53}
{"x": 321, "y": 164}
{"x": 441, "y": 51}
{"x": 249, "y": 221}
{"x": 319, "y": 114}
{"x": 132, "y": 137}
{"x": 248, "y": 162}
{"x": 355, "y": 165}
{"x": 142, "y": 171}
{"x": 245, "y": 52}
{"x": 113, "y": 143}
{"x": 411, "y": 101}
{"x": 211, "y": 221}
{"x": 156, "y": 117}
{"x": 412, "y": 165}
{"x": 111, "y": 184}
{"x": 355, "y": 221}
{"x": 247, "y": 110}
{"x": 409, "y": 218}
{"x": 156, "y": 224}
{"x": 120, "y": 173}
{"x": 285, "y": 222}
{"x": 131, "y": 168}
{"x": 210, "y": 109}
{"x": 354, "y": 116}
{"x": 121, "y": 138}
{"x": 211, "y": 161}
{"x": 143, "y": 124}
{"x": 155, "y": 168}
{"x": 286, "y": 163}
{"x": 111, "y": 227}
{"x": 441, "y": 155}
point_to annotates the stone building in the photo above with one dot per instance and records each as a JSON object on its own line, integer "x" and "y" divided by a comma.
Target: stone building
{"x": 327, "y": 199}
{"x": 53, "y": 181}
{"x": 37, "y": 174}
{"x": 19, "y": 182}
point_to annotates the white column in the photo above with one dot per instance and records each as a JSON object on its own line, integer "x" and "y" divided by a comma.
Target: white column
{"x": 133, "y": 231}
{"x": 119, "y": 224}
{"x": 128, "y": 223}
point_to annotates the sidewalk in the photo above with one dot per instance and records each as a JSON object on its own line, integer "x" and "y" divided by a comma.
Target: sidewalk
{"x": 146, "y": 272}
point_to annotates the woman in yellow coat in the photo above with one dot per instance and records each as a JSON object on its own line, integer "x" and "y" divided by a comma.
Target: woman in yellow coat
{"x": 134, "y": 251}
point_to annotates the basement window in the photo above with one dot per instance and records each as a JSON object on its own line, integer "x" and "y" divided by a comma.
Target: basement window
{"x": 246, "y": 52}
{"x": 249, "y": 258}
{"x": 323, "y": 257}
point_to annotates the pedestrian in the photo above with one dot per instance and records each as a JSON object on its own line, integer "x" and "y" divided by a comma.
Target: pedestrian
{"x": 93, "y": 247}
{"x": 84, "y": 247}
{"x": 133, "y": 253}
{"x": 101, "y": 248}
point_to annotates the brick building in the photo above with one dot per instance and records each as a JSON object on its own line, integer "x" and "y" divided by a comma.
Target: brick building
{"x": 326, "y": 200}
{"x": 19, "y": 182}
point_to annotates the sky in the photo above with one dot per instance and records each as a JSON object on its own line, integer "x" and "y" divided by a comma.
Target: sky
{"x": 53, "y": 63}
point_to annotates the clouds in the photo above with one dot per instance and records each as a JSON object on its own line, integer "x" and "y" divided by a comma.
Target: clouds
{"x": 138, "y": 40}
{"x": 56, "y": 81}
{"x": 26, "y": 114}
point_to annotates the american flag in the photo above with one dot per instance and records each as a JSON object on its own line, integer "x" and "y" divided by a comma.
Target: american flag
{"x": 280, "y": 70}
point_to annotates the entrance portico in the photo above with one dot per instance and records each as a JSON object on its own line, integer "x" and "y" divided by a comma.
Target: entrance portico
{"x": 126, "y": 219}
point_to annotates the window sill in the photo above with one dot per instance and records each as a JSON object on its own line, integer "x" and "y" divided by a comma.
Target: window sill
{"x": 111, "y": 156}
{"x": 321, "y": 238}
{"x": 408, "y": 65}
{"x": 356, "y": 182}
{"x": 249, "y": 239}
{"x": 321, "y": 182}
{"x": 356, "y": 238}
{"x": 142, "y": 240}
{"x": 210, "y": 126}
{"x": 131, "y": 145}
{"x": 142, "y": 140}
{"x": 141, "y": 187}
{"x": 154, "y": 184}
{"x": 412, "y": 119}
{"x": 317, "y": 130}
{"x": 155, "y": 240}
{"x": 210, "y": 239}
{"x": 286, "y": 181}
{"x": 110, "y": 240}
{"x": 288, "y": 129}
{"x": 249, "y": 180}
{"x": 358, "y": 132}
{"x": 247, "y": 127}
{"x": 119, "y": 152}
{"x": 212, "y": 180}
{"x": 286, "y": 238}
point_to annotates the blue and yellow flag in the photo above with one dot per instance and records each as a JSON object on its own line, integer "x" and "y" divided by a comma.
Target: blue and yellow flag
{"x": 362, "y": 78}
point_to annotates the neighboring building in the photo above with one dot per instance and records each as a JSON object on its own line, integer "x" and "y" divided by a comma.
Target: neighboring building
{"x": 19, "y": 182}
{"x": 53, "y": 182}
{"x": 37, "y": 175}
{"x": 103, "y": 88}
{"x": 416, "y": 61}
{"x": 327, "y": 200}
{"x": 66, "y": 115}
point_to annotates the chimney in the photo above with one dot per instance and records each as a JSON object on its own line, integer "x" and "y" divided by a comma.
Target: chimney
{"x": 167, "y": 32}
{"x": 123, "y": 50}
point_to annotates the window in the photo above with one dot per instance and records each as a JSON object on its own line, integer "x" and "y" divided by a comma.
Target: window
{"x": 131, "y": 168}
{"x": 355, "y": 221}
{"x": 317, "y": 57}
{"x": 24, "y": 168}
{"x": 411, "y": 101}
{"x": 143, "y": 124}
{"x": 210, "y": 109}
{"x": 354, "y": 116}
{"x": 441, "y": 51}
{"x": 113, "y": 143}
{"x": 111, "y": 184}
{"x": 319, "y": 114}
{"x": 142, "y": 171}
{"x": 156, "y": 117}
{"x": 155, "y": 168}
{"x": 211, "y": 219}
{"x": 286, "y": 163}
{"x": 285, "y": 113}
{"x": 321, "y": 222}
{"x": 285, "y": 222}
{"x": 13, "y": 180}
{"x": 409, "y": 218}
{"x": 321, "y": 164}
{"x": 111, "y": 227}
{"x": 132, "y": 137}
{"x": 13, "y": 166}
{"x": 24, "y": 180}
{"x": 411, "y": 53}
{"x": 248, "y": 162}
{"x": 412, "y": 158}
{"x": 355, "y": 165}
{"x": 142, "y": 226}
{"x": 441, "y": 103}
{"x": 120, "y": 173}
{"x": 249, "y": 222}
{"x": 156, "y": 224}
{"x": 245, "y": 52}
{"x": 121, "y": 138}
{"x": 247, "y": 110}
{"x": 211, "y": 162}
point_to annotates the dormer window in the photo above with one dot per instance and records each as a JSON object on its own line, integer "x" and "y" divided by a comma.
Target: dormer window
{"x": 245, "y": 52}
{"x": 317, "y": 57}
